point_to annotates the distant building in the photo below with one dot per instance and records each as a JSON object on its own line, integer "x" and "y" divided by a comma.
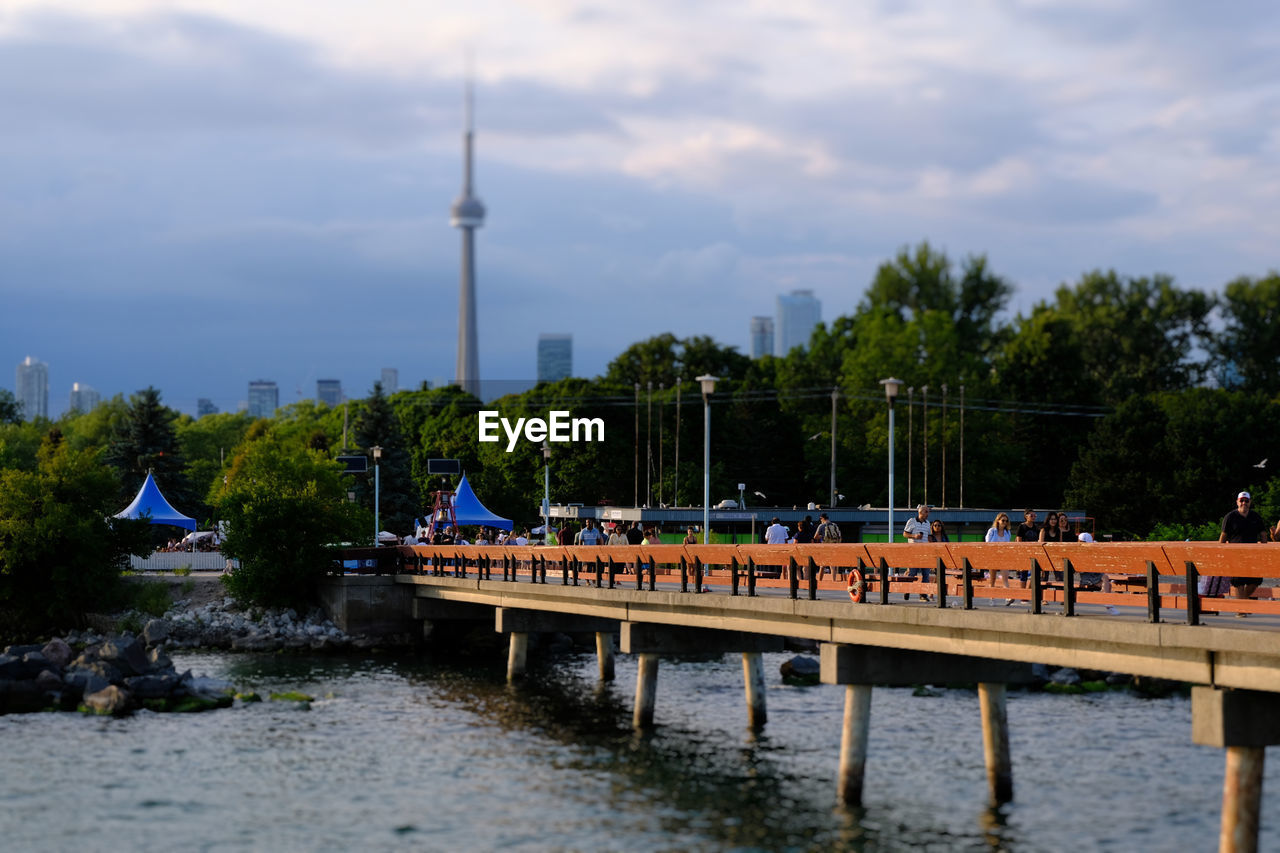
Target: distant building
{"x": 761, "y": 336}
{"x": 84, "y": 398}
{"x": 798, "y": 313}
{"x": 390, "y": 380}
{"x": 205, "y": 406}
{"x": 329, "y": 392}
{"x": 264, "y": 398}
{"x": 555, "y": 357}
{"x": 31, "y": 388}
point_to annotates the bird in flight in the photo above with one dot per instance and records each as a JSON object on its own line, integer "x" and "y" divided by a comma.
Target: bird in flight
{"x": 1262, "y": 464}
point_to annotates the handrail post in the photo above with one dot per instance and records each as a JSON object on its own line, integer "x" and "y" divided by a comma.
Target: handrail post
{"x": 1193, "y": 594}
{"x": 564, "y": 570}
{"x": 653, "y": 573}
{"x": 1068, "y": 588}
{"x": 542, "y": 569}
{"x": 751, "y": 577}
{"x": 967, "y": 583}
{"x": 613, "y": 572}
{"x": 884, "y": 581}
{"x": 575, "y": 567}
{"x": 733, "y": 575}
{"x": 684, "y": 574}
{"x": 813, "y": 580}
{"x": 697, "y": 574}
{"x": 639, "y": 573}
{"x": 1153, "y": 592}
{"x": 1037, "y": 587}
{"x": 942, "y": 584}
{"x": 599, "y": 571}
{"x": 793, "y": 582}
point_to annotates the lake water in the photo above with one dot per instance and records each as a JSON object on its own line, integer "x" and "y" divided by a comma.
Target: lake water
{"x": 410, "y": 753}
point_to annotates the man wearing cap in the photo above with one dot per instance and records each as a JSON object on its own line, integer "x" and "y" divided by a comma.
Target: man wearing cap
{"x": 1242, "y": 524}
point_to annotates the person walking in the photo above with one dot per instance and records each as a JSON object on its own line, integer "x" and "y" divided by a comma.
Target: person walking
{"x": 1243, "y": 524}
{"x": 589, "y": 535}
{"x": 775, "y": 533}
{"x": 916, "y": 530}
{"x": 998, "y": 532}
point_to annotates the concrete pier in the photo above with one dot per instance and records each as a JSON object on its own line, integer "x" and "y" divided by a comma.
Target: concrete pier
{"x": 995, "y": 741}
{"x": 517, "y": 655}
{"x": 604, "y": 654}
{"x": 646, "y": 692}
{"x": 753, "y": 683}
{"x": 1244, "y": 723}
{"x": 853, "y": 744}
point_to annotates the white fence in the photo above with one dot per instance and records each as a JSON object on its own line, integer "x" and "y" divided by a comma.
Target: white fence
{"x": 168, "y": 561}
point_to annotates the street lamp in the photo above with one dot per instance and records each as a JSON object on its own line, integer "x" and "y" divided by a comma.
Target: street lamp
{"x": 891, "y": 387}
{"x": 708, "y": 383}
{"x": 546, "y": 493}
{"x": 377, "y": 456}
{"x": 835, "y": 395}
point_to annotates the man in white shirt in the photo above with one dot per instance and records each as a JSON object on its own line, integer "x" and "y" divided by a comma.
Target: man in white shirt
{"x": 775, "y": 533}
{"x": 917, "y": 530}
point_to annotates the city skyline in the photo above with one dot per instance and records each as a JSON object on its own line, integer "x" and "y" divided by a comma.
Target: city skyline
{"x": 262, "y": 189}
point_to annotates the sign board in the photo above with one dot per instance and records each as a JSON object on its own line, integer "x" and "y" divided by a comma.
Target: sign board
{"x": 355, "y": 464}
{"x": 444, "y": 466}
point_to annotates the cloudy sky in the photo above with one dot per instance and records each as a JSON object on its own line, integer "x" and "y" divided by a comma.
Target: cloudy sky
{"x": 197, "y": 194}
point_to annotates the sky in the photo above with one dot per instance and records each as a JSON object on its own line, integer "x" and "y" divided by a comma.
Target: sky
{"x": 202, "y": 193}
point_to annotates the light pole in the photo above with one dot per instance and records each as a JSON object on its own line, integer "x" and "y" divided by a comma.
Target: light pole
{"x": 835, "y": 395}
{"x": 377, "y": 456}
{"x": 891, "y": 387}
{"x": 708, "y": 383}
{"x": 546, "y": 493}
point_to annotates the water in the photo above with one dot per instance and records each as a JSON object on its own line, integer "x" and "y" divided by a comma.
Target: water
{"x": 409, "y": 754}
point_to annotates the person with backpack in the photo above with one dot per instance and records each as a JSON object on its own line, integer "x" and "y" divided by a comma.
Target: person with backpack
{"x": 827, "y": 533}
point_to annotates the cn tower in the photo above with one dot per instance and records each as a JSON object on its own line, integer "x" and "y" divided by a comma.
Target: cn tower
{"x": 467, "y": 213}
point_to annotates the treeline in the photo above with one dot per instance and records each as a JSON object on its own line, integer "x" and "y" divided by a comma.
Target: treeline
{"x": 1140, "y": 401}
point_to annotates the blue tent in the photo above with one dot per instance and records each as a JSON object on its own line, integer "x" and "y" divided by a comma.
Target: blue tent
{"x": 468, "y": 509}
{"x": 151, "y": 504}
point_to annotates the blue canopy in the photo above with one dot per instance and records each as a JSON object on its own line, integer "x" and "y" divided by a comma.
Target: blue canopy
{"x": 151, "y": 504}
{"x": 468, "y": 509}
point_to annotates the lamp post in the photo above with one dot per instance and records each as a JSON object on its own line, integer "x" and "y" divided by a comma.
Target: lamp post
{"x": 891, "y": 387}
{"x": 835, "y": 395}
{"x": 546, "y": 493}
{"x": 377, "y": 456}
{"x": 708, "y": 383}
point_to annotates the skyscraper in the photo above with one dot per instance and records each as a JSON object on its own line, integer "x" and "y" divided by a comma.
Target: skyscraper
{"x": 761, "y": 336}
{"x": 83, "y": 398}
{"x": 329, "y": 392}
{"x": 798, "y": 313}
{"x": 31, "y": 386}
{"x": 390, "y": 380}
{"x": 205, "y": 406}
{"x": 264, "y": 398}
{"x": 467, "y": 213}
{"x": 555, "y": 357}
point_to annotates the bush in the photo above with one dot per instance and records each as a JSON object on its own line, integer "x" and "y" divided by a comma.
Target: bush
{"x": 286, "y": 514}
{"x": 1205, "y": 532}
{"x": 61, "y": 554}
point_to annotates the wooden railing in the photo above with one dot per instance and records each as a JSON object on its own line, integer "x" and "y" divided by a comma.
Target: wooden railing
{"x": 1154, "y": 575}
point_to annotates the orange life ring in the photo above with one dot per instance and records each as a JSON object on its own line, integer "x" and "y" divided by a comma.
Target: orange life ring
{"x": 855, "y": 586}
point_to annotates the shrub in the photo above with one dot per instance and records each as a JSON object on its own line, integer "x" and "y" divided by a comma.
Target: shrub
{"x": 286, "y": 514}
{"x": 1206, "y": 532}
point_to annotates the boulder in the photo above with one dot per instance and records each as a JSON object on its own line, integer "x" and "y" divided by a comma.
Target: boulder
{"x": 110, "y": 700}
{"x": 48, "y": 681}
{"x": 57, "y": 652}
{"x": 12, "y": 668}
{"x": 158, "y": 659}
{"x": 800, "y": 670}
{"x": 105, "y": 671}
{"x": 128, "y": 655}
{"x": 18, "y": 651}
{"x": 20, "y": 696}
{"x": 1065, "y": 676}
{"x": 78, "y": 682}
{"x": 156, "y": 632}
{"x": 152, "y": 686}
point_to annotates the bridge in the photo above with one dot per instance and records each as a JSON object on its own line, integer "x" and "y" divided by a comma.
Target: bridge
{"x": 876, "y": 626}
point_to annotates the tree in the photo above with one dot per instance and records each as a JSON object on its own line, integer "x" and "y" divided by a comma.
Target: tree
{"x": 1247, "y": 350}
{"x": 399, "y": 500}
{"x": 61, "y": 552}
{"x": 146, "y": 440}
{"x": 10, "y": 408}
{"x": 287, "y": 514}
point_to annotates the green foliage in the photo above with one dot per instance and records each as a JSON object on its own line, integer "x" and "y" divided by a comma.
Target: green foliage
{"x": 286, "y": 513}
{"x": 1176, "y": 532}
{"x": 60, "y": 552}
{"x": 146, "y": 440}
{"x": 399, "y": 497}
{"x": 207, "y": 445}
{"x": 149, "y": 597}
{"x": 10, "y": 408}
{"x": 1247, "y": 350}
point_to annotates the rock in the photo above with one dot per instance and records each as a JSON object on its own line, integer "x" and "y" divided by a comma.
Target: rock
{"x": 926, "y": 691}
{"x": 156, "y": 632}
{"x": 126, "y": 654}
{"x": 18, "y": 651}
{"x": 57, "y": 652}
{"x": 1065, "y": 676}
{"x": 81, "y": 681}
{"x": 20, "y": 696}
{"x": 48, "y": 681}
{"x": 254, "y": 643}
{"x": 158, "y": 659}
{"x": 800, "y": 644}
{"x": 800, "y": 670}
{"x": 105, "y": 671}
{"x": 152, "y": 686}
{"x": 12, "y": 668}
{"x": 1118, "y": 679}
{"x": 204, "y": 687}
{"x": 109, "y": 700}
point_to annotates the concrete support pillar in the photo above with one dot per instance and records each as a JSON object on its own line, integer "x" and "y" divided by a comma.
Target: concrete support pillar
{"x": 518, "y": 656}
{"x": 604, "y": 653}
{"x": 1241, "y": 800}
{"x": 853, "y": 743}
{"x": 646, "y": 691}
{"x": 753, "y": 682}
{"x": 995, "y": 741}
